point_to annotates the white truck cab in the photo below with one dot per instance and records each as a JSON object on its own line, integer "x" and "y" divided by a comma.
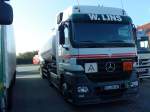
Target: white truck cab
{"x": 91, "y": 55}
{"x": 143, "y": 47}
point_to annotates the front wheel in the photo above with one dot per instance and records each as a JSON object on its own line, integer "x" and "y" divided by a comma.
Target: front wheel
{"x": 65, "y": 89}
{"x": 49, "y": 79}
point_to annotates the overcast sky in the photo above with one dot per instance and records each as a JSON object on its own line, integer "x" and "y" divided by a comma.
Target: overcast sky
{"x": 33, "y": 19}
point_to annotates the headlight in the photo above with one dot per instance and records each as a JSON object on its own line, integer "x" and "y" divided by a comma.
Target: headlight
{"x": 134, "y": 84}
{"x": 82, "y": 89}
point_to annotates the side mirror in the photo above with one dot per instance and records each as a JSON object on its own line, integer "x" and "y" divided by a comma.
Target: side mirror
{"x": 59, "y": 18}
{"x": 134, "y": 33}
{"x": 61, "y": 35}
{"x": 6, "y": 13}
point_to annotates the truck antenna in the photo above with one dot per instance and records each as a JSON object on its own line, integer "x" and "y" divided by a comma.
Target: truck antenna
{"x": 78, "y": 5}
{"x": 122, "y": 5}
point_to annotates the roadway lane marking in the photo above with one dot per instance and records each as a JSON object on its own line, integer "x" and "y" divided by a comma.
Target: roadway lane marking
{"x": 28, "y": 77}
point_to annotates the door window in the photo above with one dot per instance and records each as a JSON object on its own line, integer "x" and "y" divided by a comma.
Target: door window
{"x": 144, "y": 44}
{"x": 66, "y": 32}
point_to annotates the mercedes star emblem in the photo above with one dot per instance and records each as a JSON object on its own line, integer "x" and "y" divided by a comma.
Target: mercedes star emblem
{"x": 110, "y": 67}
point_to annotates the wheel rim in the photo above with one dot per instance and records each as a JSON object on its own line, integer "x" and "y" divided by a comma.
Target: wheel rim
{"x": 64, "y": 89}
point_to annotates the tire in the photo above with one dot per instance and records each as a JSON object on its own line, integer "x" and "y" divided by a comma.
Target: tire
{"x": 66, "y": 93}
{"x": 64, "y": 90}
{"x": 49, "y": 79}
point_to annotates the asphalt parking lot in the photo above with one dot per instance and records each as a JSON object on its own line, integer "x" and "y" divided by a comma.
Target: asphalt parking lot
{"x": 33, "y": 94}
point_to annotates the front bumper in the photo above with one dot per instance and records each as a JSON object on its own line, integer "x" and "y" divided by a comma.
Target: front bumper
{"x": 96, "y": 92}
{"x": 105, "y": 98}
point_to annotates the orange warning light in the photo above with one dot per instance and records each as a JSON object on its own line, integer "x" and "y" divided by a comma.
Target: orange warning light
{"x": 127, "y": 66}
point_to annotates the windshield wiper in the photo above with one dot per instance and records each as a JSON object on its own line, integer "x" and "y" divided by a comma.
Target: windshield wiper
{"x": 117, "y": 41}
{"x": 87, "y": 41}
{"x": 90, "y": 41}
{"x": 113, "y": 41}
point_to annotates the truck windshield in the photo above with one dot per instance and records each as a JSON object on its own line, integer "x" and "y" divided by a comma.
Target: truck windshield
{"x": 98, "y": 33}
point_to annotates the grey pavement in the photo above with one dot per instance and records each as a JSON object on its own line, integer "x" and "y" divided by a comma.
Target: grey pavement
{"x": 33, "y": 94}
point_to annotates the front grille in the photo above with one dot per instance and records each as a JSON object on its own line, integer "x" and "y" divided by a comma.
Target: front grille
{"x": 107, "y": 77}
{"x": 112, "y": 94}
{"x": 102, "y": 66}
{"x": 103, "y": 75}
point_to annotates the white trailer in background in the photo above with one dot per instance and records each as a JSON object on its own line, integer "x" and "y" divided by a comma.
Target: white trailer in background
{"x": 143, "y": 48}
{"x": 7, "y": 56}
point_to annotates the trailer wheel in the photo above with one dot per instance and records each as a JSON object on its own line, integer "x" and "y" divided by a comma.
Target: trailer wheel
{"x": 49, "y": 78}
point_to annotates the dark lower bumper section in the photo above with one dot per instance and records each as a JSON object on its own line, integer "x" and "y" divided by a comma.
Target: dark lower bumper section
{"x": 85, "y": 91}
{"x": 127, "y": 95}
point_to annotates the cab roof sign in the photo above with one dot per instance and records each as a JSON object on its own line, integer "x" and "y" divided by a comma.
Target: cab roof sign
{"x": 106, "y": 18}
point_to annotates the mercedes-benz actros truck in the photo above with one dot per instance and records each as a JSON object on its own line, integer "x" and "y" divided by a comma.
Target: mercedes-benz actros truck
{"x": 91, "y": 55}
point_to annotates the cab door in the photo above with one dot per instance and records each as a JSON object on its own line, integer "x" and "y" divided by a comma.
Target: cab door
{"x": 63, "y": 50}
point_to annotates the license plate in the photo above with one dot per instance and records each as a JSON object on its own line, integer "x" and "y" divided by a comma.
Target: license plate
{"x": 111, "y": 87}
